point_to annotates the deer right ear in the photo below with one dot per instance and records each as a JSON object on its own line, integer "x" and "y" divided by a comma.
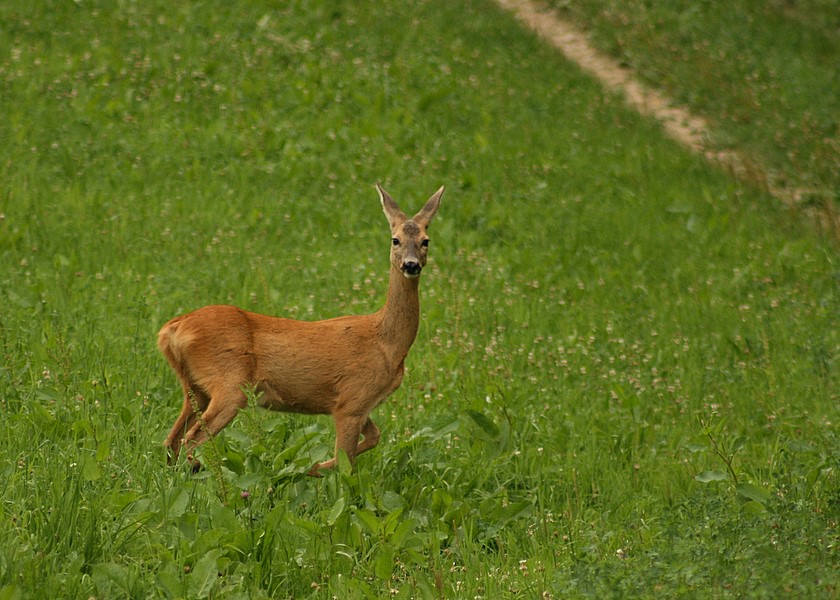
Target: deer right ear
{"x": 430, "y": 209}
{"x": 392, "y": 211}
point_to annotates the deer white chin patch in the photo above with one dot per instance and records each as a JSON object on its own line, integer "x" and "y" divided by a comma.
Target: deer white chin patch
{"x": 408, "y": 275}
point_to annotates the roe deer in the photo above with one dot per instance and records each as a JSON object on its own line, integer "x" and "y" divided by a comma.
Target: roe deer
{"x": 344, "y": 366}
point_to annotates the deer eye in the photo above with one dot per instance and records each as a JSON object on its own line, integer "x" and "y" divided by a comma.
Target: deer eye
{"x": 395, "y": 242}
{"x": 425, "y": 243}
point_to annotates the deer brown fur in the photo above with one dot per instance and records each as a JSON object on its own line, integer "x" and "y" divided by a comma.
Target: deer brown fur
{"x": 343, "y": 367}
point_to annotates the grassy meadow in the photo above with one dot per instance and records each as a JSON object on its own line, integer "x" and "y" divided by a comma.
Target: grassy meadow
{"x": 625, "y": 382}
{"x": 763, "y": 73}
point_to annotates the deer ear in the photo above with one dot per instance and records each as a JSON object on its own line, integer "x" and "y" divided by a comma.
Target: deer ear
{"x": 424, "y": 217}
{"x": 392, "y": 211}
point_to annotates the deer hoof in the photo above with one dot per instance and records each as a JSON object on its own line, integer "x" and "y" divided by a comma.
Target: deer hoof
{"x": 315, "y": 471}
{"x": 195, "y": 464}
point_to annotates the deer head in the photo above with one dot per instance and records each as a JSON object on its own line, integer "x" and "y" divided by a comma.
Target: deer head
{"x": 409, "y": 242}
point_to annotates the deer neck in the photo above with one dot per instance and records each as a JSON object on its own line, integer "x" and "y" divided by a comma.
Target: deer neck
{"x": 400, "y": 317}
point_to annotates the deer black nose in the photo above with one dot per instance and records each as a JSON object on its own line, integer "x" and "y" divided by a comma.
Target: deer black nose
{"x": 411, "y": 267}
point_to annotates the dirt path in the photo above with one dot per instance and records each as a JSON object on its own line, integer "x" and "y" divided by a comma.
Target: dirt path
{"x": 681, "y": 125}
{"x": 690, "y": 130}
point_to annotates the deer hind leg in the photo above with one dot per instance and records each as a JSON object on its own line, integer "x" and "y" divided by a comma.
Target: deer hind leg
{"x": 221, "y": 410}
{"x": 194, "y": 397}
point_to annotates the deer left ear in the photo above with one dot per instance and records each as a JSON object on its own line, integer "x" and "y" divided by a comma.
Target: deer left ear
{"x": 392, "y": 211}
{"x": 427, "y": 213}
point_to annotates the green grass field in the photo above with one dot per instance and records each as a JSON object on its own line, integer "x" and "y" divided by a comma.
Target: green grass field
{"x": 762, "y": 73}
{"x": 626, "y": 378}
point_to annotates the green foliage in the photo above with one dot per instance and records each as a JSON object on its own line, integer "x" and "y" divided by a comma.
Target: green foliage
{"x": 625, "y": 379}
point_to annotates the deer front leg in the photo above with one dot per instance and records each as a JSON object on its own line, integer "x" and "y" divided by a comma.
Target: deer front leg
{"x": 347, "y": 431}
{"x": 371, "y": 437}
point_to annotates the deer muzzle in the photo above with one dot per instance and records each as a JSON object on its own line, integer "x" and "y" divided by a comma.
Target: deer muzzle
{"x": 411, "y": 268}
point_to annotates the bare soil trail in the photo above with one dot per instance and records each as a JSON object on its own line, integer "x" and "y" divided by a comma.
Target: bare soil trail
{"x": 689, "y": 129}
